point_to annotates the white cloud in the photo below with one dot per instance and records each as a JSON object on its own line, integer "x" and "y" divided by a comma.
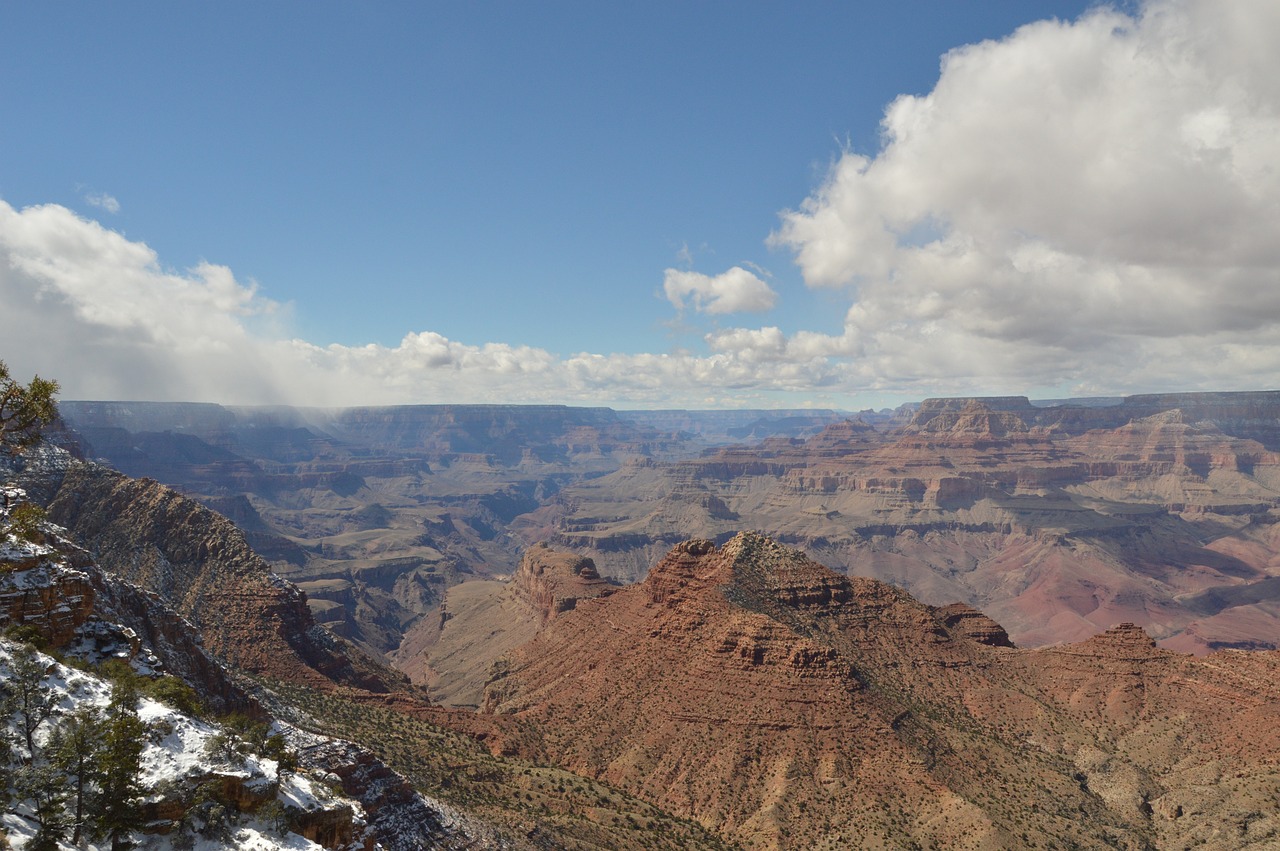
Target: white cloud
{"x": 1077, "y": 202}
{"x": 103, "y": 201}
{"x": 1086, "y": 204}
{"x": 734, "y": 291}
{"x": 97, "y": 311}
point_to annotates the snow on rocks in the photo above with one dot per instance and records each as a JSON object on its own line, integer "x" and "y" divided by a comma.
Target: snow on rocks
{"x": 259, "y": 806}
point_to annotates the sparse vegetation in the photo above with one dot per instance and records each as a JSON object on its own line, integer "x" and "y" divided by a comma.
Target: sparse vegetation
{"x": 24, "y": 409}
{"x": 579, "y": 812}
{"x": 24, "y": 522}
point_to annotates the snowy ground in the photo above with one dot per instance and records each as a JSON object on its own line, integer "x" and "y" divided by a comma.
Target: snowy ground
{"x": 174, "y": 752}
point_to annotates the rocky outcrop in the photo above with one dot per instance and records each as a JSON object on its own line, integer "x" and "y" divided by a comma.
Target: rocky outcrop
{"x": 43, "y": 594}
{"x": 553, "y": 582}
{"x": 973, "y": 624}
{"x": 397, "y": 817}
{"x": 56, "y": 589}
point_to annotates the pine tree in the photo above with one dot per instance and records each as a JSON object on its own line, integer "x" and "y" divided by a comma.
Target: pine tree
{"x": 43, "y": 786}
{"x": 74, "y": 749}
{"x": 119, "y": 766}
{"x": 28, "y": 696}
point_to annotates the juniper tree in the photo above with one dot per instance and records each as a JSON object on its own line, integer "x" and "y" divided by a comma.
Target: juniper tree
{"x": 28, "y": 696}
{"x": 74, "y": 748}
{"x": 43, "y": 786}
{"x": 6, "y": 755}
{"x": 119, "y": 765}
{"x": 24, "y": 409}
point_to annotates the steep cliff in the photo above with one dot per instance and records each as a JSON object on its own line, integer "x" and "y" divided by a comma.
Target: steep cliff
{"x": 200, "y": 563}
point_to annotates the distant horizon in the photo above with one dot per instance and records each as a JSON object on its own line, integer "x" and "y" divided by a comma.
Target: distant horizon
{"x": 700, "y": 206}
{"x": 1033, "y": 400}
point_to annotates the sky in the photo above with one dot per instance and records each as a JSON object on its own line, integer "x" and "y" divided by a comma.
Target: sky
{"x": 667, "y": 204}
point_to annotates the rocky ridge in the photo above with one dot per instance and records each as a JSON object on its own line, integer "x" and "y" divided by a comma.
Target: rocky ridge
{"x": 787, "y": 706}
{"x": 153, "y": 537}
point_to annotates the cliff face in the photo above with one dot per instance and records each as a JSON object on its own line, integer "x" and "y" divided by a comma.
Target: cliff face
{"x": 57, "y": 589}
{"x": 790, "y": 707}
{"x": 199, "y": 562}
{"x": 552, "y": 583}
{"x": 1251, "y": 415}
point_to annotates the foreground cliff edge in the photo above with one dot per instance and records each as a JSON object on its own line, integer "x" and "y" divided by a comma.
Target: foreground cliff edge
{"x": 787, "y": 706}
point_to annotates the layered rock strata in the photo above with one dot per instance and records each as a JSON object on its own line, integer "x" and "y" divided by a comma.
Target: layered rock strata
{"x": 787, "y": 706}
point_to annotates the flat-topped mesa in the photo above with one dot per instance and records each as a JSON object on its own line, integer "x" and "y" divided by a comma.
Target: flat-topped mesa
{"x": 1248, "y": 414}
{"x": 553, "y": 582}
{"x": 950, "y": 408}
{"x": 1169, "y": 442}
{"x": 842, "y": 437}
{"x": 975, "y": 420}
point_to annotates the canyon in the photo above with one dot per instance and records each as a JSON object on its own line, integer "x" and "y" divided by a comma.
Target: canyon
{"x": 983, "y": 623}
{"x": 1058, "y": 520}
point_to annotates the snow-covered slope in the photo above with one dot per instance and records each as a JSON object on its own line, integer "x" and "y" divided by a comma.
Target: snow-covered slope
{"x": 52, "y": 591}
{"x": 180, "y": 768}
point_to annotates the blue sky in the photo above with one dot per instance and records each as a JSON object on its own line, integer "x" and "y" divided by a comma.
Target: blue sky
{"x": 518, "y": 181}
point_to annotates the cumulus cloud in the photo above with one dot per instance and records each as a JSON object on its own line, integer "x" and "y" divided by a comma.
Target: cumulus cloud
{"x": 734, "y": 291}
{"x": 1078, "y": 202}
{"x": 99, "y": 312}
{"x": 103, "y": 201}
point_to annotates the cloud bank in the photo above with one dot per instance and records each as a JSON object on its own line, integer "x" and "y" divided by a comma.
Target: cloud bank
{"x": 1087, "y": 206}
{"x": 1091, "y": 202}
{"x": 97, "y": 311}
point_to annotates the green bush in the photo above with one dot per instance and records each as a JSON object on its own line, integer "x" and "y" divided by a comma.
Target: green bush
{"x": 175, "y": 693}
{"x": 24, "y": 521}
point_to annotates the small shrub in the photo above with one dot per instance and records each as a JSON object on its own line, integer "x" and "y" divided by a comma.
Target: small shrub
{"x": 275, "y": 817}
{"x": 173, "y": 692}
{"x": 25, "y": 520}
{"x": 26, "y": 634}
{"x": 209, "y": 815}
{"x": 226, "y": 747}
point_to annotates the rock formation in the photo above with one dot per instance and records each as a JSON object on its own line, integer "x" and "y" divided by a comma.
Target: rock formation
{"x": 787, "y": 706}
{"x": 1056, "y": 530}
{"x": 482, "y": 619}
